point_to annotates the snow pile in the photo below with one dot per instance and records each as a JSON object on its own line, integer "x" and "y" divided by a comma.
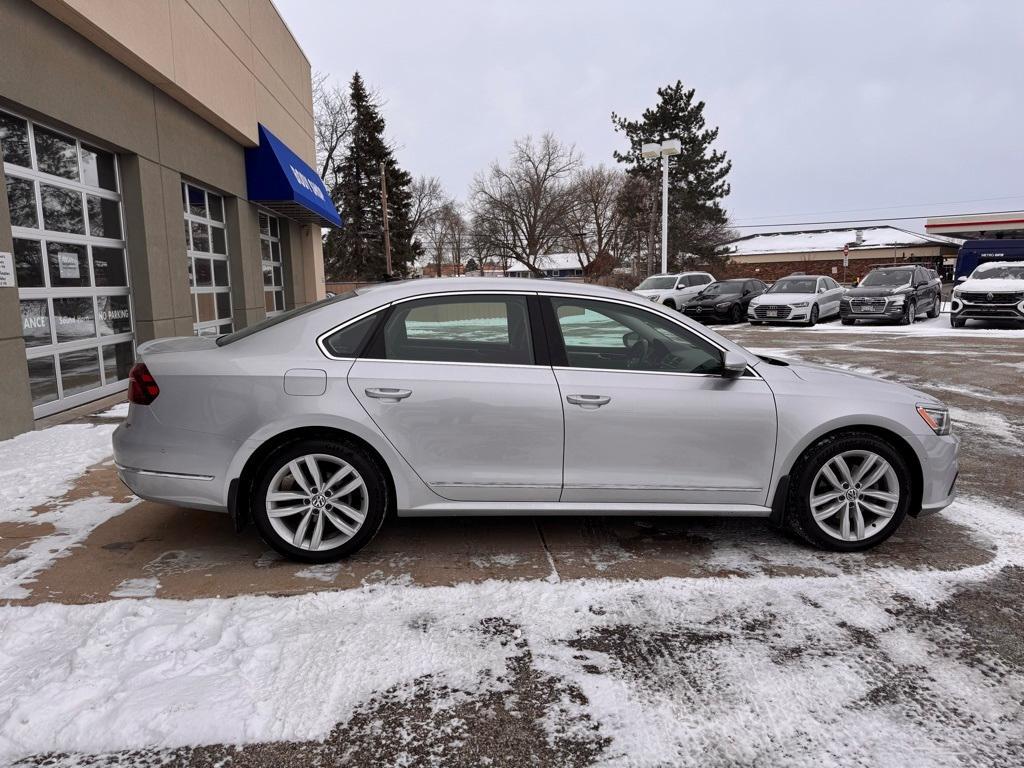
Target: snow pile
{"x": 673, "y": 671}
{"x": 37, "y": 469}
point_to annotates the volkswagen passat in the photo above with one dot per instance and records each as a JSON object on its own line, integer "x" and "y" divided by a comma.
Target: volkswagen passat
{"x": 477, "y": 396}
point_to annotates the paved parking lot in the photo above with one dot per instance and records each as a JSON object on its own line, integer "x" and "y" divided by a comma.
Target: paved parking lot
{"x": 913, "y": 649}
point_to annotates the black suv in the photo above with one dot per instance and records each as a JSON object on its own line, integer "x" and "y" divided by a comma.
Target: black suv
{"x": 897, "y": 293}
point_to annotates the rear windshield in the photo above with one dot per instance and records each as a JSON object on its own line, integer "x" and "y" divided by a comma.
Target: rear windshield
{"x": 888, "y": 277}
{"x": 270, "y": 322}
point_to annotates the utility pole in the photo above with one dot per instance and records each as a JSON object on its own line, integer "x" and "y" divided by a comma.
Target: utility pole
{"x": 384, "y": 208}
{"x": 664, "y": 150}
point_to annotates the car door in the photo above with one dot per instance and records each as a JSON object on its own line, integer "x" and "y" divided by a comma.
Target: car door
{"x": 649, "y": 417}
{"x": 453, "y": 381}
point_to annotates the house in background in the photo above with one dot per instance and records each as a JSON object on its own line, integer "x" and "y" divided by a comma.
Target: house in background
{"x": 559, "y": 266}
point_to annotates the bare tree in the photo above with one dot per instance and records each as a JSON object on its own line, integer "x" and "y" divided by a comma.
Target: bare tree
{"x": 594, "y": 220}
{"x": 458, "y": 235}
{"x": 332, "y": 124}
{"x": 427, "y": 198}
{"x": 523, "y": 205}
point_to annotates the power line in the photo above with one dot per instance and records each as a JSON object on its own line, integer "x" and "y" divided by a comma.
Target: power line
{"x": 866, "y": 221}
{"x": 881, "y": 208}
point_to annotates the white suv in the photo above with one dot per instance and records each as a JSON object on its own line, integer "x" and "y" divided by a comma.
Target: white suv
{"x": 674, "y": 290}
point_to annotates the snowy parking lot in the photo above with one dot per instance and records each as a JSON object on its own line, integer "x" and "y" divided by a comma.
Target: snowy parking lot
{"x": 138, "y": 634}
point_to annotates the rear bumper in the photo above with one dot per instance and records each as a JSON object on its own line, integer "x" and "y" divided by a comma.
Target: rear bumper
{"x": 167, "y": 464}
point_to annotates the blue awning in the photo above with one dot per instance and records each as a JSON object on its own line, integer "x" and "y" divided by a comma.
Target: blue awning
{"x": 279, "y": 180}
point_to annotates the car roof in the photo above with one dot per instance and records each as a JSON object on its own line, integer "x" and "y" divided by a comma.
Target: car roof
{"x": 401, "y": 289}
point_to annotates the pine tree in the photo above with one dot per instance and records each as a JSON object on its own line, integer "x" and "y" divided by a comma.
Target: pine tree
{"x": 356, "y": 251}
{"x": 697, "y": 221}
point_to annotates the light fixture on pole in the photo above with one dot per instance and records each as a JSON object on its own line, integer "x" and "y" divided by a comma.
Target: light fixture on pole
{"x": 665, "y": 149}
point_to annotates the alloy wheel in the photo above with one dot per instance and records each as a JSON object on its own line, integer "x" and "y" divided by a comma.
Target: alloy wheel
{"x": 317, "y": 502}
{"x": 854, "y": 495}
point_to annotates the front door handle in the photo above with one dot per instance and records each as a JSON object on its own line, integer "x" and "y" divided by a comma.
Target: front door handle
{"x": 388, "y": 394}
{"x": 588, "y": 401}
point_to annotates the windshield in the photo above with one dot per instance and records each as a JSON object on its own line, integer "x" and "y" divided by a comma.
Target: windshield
{"x": 795, "y": 285}
{"x": 270, "y": 322}
{"x": 999, "y": 272}
{"x": 887, "y": 278}
{"x": 723, "y": 286}
{"x": 657, "y": 283}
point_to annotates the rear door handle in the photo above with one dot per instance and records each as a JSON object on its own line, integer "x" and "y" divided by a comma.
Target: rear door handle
{"x": 588, "y": 401}
{"x": 388, "y": 394}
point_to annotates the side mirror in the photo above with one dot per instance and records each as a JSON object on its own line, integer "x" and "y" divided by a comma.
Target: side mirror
{"x": 961, "y": 279}
{"x": 746, "y": 291}
{"x": 733, "y": 365}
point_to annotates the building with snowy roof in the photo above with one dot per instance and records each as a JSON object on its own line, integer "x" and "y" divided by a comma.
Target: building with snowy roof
{"x": 562, "y": 266}
{"x": 771, "y": 255}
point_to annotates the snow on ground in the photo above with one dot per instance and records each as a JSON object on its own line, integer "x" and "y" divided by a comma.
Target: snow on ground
{"x": 36, "y": 469}
{"x": 674, "y": 671}
{"x": 938, "y": 326}
{"x": 119, "y": 411}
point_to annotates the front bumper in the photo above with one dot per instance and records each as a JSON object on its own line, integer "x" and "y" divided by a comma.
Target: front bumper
{"x": 782, "y": 314}
{"x": 940, "y": 467}
{"x": 891, "y": 312}
{"x": 707, "y": 314}
{"x": 962, "y": 310}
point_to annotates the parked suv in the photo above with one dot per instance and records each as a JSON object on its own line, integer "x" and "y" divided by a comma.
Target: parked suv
{"x": 994, "y": 291}
{"x": 897, "y": 293}
{"x": 673, "y": 290}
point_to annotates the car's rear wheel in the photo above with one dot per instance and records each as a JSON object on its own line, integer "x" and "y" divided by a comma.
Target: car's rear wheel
{"x": 318, "y": 500}
{"x": 849, "y": 492}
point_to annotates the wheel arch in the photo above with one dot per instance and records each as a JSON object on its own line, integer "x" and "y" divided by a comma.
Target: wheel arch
{"x": 895, "y": 439}
{"x": 241, "y": 486}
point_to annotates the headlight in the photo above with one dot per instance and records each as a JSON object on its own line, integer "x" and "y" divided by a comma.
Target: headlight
{"x": 897, "y": 300}
{"x": 936, "y": 417}
{"x": 723, "y": 305}
{"x": 655, "y": 297}
{"x": 800, "y": 304}
{"x": 956, "y": 292}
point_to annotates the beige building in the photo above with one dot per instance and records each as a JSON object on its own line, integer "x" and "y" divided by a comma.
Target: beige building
{"x": 156, "y": 181}
{"x": 840, "y": 253}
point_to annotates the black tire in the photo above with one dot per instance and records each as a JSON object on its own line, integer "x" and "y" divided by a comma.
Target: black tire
{"x": 736, "y": 314}
{"x": 847, "y": 321}
{"x": 933, "y": 310}
{"x": 373, "y": 479}
{"x": 754, "y": 322}
{"x": 956, "y": 322}
{"x": 671, "y": 305}
{"x": 799, "y": 518}
{"x": 813, "y": 319}
{"x": 909, "y": 313}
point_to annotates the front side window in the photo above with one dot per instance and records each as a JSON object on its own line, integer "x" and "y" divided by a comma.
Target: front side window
{"x": 206, "y": 247}
{"x": 273, "y": 265}
{"x": 604, "y": 335}
{"x": 71, "y": 265}
{"x": 471, "y": 329}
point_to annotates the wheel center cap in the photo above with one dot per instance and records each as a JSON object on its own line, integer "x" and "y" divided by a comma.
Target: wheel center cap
{"x": 852, "y": 494}
{"x": 319, "y": 500}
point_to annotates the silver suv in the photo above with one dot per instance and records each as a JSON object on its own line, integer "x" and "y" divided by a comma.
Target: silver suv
{"x": 474, "y": 396}
{"x": 674, "y": 290}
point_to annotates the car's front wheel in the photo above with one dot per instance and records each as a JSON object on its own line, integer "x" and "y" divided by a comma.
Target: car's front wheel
{"x": 813, "y": 319}
{"x": 909, "y": 313}
{"x": 849, "y": 492}
{"x": 318, "y": 500}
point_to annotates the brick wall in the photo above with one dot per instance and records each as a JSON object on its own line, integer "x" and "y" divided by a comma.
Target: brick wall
{"x": 772, "y": 270}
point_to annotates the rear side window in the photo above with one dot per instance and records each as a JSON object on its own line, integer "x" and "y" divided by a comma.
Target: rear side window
{"x": 465, "y": 329}
{"x": 347, "y": 341}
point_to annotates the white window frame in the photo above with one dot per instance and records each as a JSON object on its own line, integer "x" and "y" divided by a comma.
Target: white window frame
{"x": 218, "y": 325}
{"x": 273, "y": 247}
{"x": 47, "y": 293}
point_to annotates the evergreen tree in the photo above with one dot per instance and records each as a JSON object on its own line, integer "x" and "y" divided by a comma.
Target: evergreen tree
{"x": 356, "y": 251}
{"x": 697, "y": 222}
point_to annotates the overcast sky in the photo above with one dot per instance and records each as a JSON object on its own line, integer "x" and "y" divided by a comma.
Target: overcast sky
{"x": 824, "y": 106}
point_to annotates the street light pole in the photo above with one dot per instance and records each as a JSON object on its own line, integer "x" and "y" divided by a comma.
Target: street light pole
{"x": 665, "y": 150}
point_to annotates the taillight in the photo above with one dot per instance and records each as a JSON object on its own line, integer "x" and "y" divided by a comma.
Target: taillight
{"x": 142, "y": 388}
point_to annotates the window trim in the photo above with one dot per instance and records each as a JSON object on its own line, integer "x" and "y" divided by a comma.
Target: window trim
{"x": 202, "y": 327}
{"x": 554, "y": 346}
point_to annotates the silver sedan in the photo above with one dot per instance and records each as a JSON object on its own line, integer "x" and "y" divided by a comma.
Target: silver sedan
{"x": 476, "y": 396}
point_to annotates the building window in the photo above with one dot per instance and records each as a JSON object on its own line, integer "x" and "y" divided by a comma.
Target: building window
{"x": 206, "y": 245}
{"x": 273, "y": 267}
{"x": 70, "y": 264}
